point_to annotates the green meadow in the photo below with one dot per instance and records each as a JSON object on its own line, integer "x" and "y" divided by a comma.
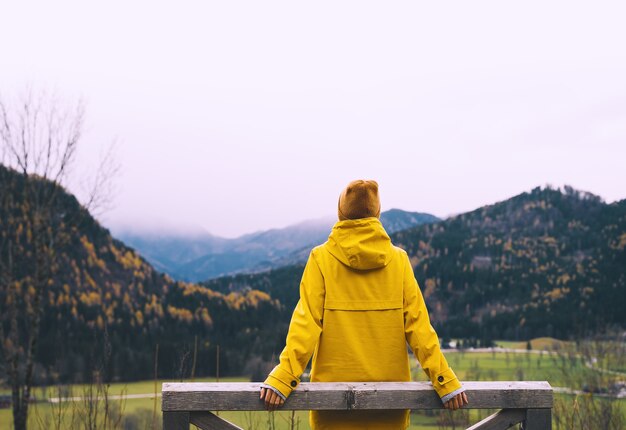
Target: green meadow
{"x": 139, "y": 413}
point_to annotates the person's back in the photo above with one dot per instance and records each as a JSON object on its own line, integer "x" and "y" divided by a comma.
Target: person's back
{"x": 363, "y": 326}
{"x": 359, "y": 305}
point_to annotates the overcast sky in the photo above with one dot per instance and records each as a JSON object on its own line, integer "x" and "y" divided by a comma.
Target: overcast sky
{"x": 241, "y": 116}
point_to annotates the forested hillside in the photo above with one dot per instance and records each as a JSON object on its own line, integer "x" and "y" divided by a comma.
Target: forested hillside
{"x": 106, "y": 308}
{"x": 548, "y": 262}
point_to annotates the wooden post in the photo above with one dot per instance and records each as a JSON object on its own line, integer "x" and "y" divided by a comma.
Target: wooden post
{"x": 209, "y": 421}
{"x": 175, "y": 420}
{"x": 538, "y": 419}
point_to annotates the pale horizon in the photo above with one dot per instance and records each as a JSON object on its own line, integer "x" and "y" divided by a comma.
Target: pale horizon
{"x": 156, "y": 226}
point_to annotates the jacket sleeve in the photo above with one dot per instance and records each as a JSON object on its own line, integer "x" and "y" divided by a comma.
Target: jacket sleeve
{"x": 423, "y": 339}
{"x": 304, "y": 331}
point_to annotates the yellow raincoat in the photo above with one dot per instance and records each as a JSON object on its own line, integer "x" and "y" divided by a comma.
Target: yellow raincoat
{"x": 359, "y": 306}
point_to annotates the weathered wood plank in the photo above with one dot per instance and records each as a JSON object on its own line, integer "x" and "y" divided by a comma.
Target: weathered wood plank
{"x": 501, "y": 420}
{"x": 210, "y": 421}
{"x": 244, "y": 396}
{"x": 175, "y": 420}
{"x": 538, "y": 419}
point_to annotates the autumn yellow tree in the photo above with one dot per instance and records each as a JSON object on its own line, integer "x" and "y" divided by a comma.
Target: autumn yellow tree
{"x": 39, "y": 136}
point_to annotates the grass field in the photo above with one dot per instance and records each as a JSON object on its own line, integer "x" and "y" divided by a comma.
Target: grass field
{"x": 494, "y": 366}
{"x": 539, "y": 344}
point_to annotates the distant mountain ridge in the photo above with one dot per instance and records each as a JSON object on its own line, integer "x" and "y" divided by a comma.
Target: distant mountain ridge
{"x": 548, "y": 262}
{"x": 203, "y": 256}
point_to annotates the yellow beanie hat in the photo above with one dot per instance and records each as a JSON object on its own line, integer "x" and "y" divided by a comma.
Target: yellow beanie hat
{"x": 359, "y": 200}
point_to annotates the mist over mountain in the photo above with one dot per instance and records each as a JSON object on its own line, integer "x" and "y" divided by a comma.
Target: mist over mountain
{"x": 201, "y": 256}
{"x": 167, "y": 250}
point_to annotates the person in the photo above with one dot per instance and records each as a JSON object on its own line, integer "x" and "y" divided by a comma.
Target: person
{"x": 359, "y": 306}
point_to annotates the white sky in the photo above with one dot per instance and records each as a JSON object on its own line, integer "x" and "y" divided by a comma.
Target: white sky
{"x": 240, "y": 116}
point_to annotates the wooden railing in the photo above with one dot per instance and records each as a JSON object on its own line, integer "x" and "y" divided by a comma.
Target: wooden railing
{"x": 526, "y": 402}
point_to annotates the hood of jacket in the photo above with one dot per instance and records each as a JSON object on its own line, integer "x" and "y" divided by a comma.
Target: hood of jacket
{"x": 361, "y": 244}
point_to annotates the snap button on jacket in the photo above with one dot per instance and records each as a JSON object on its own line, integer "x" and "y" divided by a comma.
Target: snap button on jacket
{"x": 359, "y": 307}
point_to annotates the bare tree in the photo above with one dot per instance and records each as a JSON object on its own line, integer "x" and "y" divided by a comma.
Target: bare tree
{"x": 39, "y": 136}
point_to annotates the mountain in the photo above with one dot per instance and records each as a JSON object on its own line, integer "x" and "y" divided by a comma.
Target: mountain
{"x": 393, "y": 220}
{"x": 545, "y": 262}
{"x": 549, "y": 261}
{"x": 396, "y": 219}
{"x": 203, "y": 256}
{"x": 103, "y": 306}
{"x": 167, "y": 250}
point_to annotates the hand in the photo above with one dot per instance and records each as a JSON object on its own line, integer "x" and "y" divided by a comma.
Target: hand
{"x": 456, "y": 402}
{"x": 272, "y": 400}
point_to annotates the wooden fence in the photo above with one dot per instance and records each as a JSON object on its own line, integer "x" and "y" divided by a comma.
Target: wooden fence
{"x": 526, "y": 402}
